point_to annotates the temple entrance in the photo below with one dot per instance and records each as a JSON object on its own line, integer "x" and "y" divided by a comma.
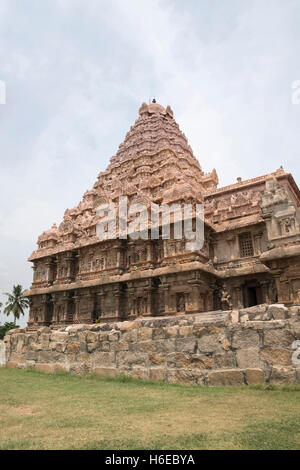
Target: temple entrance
{"x": 252, "y": 294}
{"x": 252, "y": 297}
{"x": 49, "y": 311}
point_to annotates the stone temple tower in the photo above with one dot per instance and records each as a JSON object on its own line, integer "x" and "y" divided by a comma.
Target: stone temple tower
{"x": 80, "y": 278}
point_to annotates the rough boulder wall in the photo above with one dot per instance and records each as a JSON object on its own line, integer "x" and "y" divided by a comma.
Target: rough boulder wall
{"x": 253, "y": 345}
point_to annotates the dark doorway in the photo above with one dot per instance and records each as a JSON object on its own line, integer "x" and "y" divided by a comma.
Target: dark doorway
{"x": 252, "y": 297}
{"x": 49, "y": 311}
{"x": 252, "y": 294}
{"x": 97, "y": 309}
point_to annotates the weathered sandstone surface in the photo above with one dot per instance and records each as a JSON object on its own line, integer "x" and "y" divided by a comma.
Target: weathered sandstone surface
{"x": 248, "y": 346}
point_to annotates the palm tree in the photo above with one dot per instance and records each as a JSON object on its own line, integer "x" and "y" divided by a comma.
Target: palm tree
{"x": 16, "y": 302}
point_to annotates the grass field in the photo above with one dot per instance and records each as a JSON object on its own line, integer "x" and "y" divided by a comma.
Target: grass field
{"x": 40, "y": 411}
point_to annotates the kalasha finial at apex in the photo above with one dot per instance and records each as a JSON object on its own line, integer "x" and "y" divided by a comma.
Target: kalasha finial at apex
{"x": 155, "y": 108}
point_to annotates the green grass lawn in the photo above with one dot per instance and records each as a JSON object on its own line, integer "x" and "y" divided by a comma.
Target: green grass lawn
{"x": 41, "y": 411}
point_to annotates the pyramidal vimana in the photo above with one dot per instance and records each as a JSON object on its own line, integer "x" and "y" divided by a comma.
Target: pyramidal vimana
{"x": 250, "y": 254}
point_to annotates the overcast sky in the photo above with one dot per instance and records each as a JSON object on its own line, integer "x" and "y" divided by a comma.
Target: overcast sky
{"x": 76, "y": 72}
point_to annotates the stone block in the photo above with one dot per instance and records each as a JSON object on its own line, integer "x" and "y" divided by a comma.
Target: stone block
{"x": 129, "y": 335}
{"x": 156, "y": 359}
{"x": 158, "y": 374}
{"x": 57, "y": 367}
{"x": 255, "y": 310}
{"x": 164, "y": 345}
{"x": 245, "y": 338}
{"x": 191, "y": 361}
{"x": 145, "y": 346}
{"x": 171, "y": 359}
{"x": 172, "y": 331}
{"x": 225, "y": 377}
{"x": 73, "y": 347}
{"x": 254, "y": 376}
{"x": 223, "y": 360}
{"x": 12, "y": 364}
{"x": 31, "y": 355}
{"x": 103, "y": 358}
{"x": 114, "y": 335}
{"x": 276, "y": 356}
{"x": 247, "y": 358}
{"x": 78, "y": 368}
{"x": 128, "y": 325}
{"x": 277, "y": 337}
{"x": 199, "y": 330}
{"x": 209, "y": 343}
{"x": 159, "y": 333}
{"x": 131, "y": 359}
{"x": 185, "y": 376}
{"x": 278, "y": 311}
{"x": 45, "y": 356}
{"x": 44, "y": 367}
{"x": 185, "y": 331}
{"x": 91, "y": 337}
{"x": 61, "y": 347}
{"x": 105, "y": 371}
{"x": 92, "y": 347}
{"x": 104, "y": 345}
{"x": 138, "y": 373}
{"x": 283, "y": 375}
{"x": 119, "y": 345}
{"x": 144, "y": 333}
{"x": 188, "y": 345}
{"x": 17, "y": 357}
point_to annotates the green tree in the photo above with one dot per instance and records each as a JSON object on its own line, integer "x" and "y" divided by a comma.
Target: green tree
{"x": 6, "y": 327}
{"x": 16, "y": 303}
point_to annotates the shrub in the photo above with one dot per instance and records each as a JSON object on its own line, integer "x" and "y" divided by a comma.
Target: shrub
{"x": 6, "y": 327}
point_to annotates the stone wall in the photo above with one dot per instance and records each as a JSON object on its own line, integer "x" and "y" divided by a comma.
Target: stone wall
{"x": 249, "y": 346}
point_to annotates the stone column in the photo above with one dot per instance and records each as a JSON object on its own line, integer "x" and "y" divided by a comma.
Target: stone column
{"x": 196, "y": 305}
{"x": 44, "y": 309}
{"x": 48, "y": 266}
{"x": 148, "y": 297}
{"x": 131, "y": 299}
{"x": 231, "y": 241}
{"x": 257, "y": 242}
{"x": 265, "y": 287}
{"x": 117, "y": 294}
{"x": 77, "y": 307}
{"x": 70, "y": 261}
{"x": 238, "y": 297}
{"x": 34, "y": 268}
{"x": 168, "y": 306}
{"x": 214, "y": 244}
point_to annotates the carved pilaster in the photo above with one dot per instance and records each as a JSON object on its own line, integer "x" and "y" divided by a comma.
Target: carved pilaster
{"x": 257, "y": 236}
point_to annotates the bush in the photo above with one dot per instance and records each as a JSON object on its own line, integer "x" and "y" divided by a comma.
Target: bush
{"x": 6, "y": 327}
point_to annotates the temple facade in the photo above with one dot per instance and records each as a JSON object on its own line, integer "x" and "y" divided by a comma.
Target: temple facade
{"x": 250, "y": 254}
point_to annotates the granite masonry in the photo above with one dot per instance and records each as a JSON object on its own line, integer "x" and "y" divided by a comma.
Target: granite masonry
{"x": 247, "y": 346}
{"x": 250, "y": 255}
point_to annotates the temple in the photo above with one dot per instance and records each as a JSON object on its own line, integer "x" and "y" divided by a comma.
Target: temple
{"x": 250, "y": 254}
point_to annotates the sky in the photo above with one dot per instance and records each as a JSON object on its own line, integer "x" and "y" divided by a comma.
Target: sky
{"x": 77, "y": 71}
